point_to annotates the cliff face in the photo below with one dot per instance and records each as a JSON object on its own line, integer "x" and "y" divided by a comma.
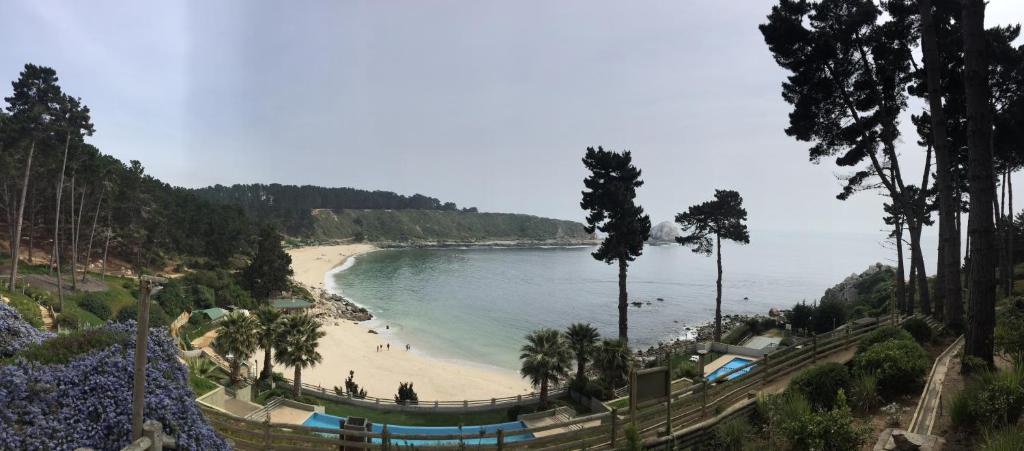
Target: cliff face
{"x": 435, "y": 225}
{"x": 664, "y": 232}
{"x": 873, "y": 287}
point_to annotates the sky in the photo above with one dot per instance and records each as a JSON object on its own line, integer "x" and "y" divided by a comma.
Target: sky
{"x": 488, "y": 104}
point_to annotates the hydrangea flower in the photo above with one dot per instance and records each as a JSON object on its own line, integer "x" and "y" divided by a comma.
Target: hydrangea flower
{"x": 87, "y": 401}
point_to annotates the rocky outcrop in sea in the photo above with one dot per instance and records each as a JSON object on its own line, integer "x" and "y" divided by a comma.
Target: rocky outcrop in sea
{"x": 854, "y": 287}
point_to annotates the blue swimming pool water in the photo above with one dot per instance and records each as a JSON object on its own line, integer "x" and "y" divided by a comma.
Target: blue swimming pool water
{"x": 321, "y": 420}
{"x": 736, "y": 362}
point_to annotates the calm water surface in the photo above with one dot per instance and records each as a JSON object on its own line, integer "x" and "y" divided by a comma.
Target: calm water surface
{"x": 477, "y": 304}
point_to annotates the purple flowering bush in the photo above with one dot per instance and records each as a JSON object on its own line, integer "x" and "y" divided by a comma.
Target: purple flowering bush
{"x": 15, "y": 333}
{"x": 86, "y": 402}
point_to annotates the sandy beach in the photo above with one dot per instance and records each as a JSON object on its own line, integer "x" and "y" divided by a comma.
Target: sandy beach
{"x": 350, "y": 346}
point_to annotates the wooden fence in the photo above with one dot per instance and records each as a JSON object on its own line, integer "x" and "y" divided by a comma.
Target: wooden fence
{"x": 691, "y": 406}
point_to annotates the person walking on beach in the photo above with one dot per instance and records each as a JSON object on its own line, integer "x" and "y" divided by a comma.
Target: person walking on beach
{"x": 389, "y": 346}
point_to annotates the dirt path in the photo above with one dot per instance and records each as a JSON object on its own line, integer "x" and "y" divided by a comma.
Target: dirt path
{"x": 47, "y": 319}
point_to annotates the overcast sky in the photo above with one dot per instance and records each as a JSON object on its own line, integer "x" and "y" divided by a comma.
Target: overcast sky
{"x": 487, "y": 104}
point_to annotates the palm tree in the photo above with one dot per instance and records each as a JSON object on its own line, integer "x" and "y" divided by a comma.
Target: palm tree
{"x": 582, "y": 340}
{"x": 611, "y": 358}
{"x": 268, "y": 328}
{"x": 546, "y": 358}
{"x": 236, "y": 340}
{"x": 296, "y": 345}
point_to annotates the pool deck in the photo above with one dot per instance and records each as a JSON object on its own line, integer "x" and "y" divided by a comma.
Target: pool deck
{"x": 289, "y": 415}
{"x": 721, "y": 361}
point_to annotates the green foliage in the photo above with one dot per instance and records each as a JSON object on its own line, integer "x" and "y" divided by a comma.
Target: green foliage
{"x": 437, "y": 225}
{"x": 732, "y": 435}
{"x": 94, "y": 304}
{"x": 157, "y": 316}
{"x": 1009, "y": 333}
{"x": 200, "y": 385}
{"x": 582, "y": 339}
{"x": 1005, "y": 439}
{"x": 68, "y": 321}
{"x": 611, "y": 359}
{"x": 864, "y": 393}
{"x": 27, "y": 308}
{"x": 881, "y": 334}
{"x": 352, "y": 388}
{"x": 919, "y": 329}
{"x": 828, "y": 315}
{"x": 834, "y": 429}
{"x": 406, "y": 394}
{"x": 633, "y": 440}
{"x": 991, "y": 400}
{"x": 270, "y": 267}
{"x": 898, "y": 365}
{"x": 610, "y": 200}
{"x": 236, "y": 338}
{"x": 298, "y": 344}
{"x": 820, "y": 383}
{"x": 545, "y": 359}
{"x": 801, "y": 316}
{"x": 736, "y": 334}
{"x": 62, "y": 348}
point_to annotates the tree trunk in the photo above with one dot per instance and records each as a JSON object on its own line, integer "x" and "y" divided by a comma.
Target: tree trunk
{"x": 92, "y": 232}
{"x": 718, "y": 291}
{"x": 71, "y": 227}
{"x": 911, "y": 288}
{"x": 921, "y": 276}
{"x": 16, "y": 239}
{"x": 623, "y": 302}
{"x": 982, "y": 284}
{"x": 543, "y": 402}
{"x": 32, "y": 224}
{"x": 106, "y": 246}
{"x": 55, "y": 255}
{"x": 297, "y": 389}
{"x": 75, "y": 241}
{"x": 1010, "y": 233}
{"x": 268, "y": 368}
{"x": 900, "y": 295}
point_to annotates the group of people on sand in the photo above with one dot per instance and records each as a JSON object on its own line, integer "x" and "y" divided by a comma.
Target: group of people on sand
{"x": 387, "y": 347}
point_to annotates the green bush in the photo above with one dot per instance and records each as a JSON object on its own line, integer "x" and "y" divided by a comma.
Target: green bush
{"x": 820, "y": 383}
{"x": 157, "y": 316}
{"x": 834, "y": 429}
{"x": 993, "y": 399}
{"x": 898, "y": 365}
{"x": 1009, "y": 333}
{"x": 95, "y": 305}
{"x": 1006, "y": 439}
{"x": 883, "y": 333}
{"x": 919, "y": 329}
{"x": 731, "y": 435}
{"x": 864, "y": 393}
{"x": 63, "y": 348}
{"x": 406, "y": 395}
{"x": 68, "y": 321}
{"x": 633, "y": 440}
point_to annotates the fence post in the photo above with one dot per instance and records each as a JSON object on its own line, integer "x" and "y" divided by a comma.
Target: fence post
{"x": 493, "y": 402}
{"x": 266, "y": 432}
{"x": 704, "y": 398}
{"x": 668, "y": 402}
{"x": 764, "y": 382}
{"x": 814, "y": 348}
{"x": 465, "y": 403}
{"x": 385, "y": 438}
{"x": 501, "y": 439}
{"x": 849, "y": 335}
{"x": 154, "y": 431}
{"x": 615, "y": 424}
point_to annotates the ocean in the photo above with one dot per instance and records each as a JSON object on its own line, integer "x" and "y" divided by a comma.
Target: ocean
{"x": 477, "y": 304}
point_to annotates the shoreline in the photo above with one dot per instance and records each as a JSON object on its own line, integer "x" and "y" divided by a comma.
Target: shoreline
{"x": 352, "y": 346}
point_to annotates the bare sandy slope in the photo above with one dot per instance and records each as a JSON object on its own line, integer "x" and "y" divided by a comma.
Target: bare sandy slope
{"x": 350, "y": 346}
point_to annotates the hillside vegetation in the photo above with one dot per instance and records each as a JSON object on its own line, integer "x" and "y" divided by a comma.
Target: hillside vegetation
{"x": 441, "y": 225}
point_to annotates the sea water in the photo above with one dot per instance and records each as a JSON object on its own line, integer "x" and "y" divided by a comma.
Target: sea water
{"x": 477, "y": 304}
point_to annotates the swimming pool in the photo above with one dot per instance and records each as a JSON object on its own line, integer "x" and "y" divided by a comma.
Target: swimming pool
{"x": 472, "y": 433}
{"x": 736, "y": 362}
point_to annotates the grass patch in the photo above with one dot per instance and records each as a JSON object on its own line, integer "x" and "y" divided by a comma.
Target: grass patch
{"x": 27, "y": 308}
{"x": 200, "y": 385}
{"x": 63, "y": 348}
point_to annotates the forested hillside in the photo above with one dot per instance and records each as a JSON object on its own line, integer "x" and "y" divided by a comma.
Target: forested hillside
{"x": 439, "y": 225}
{"x": 289, "y": 206}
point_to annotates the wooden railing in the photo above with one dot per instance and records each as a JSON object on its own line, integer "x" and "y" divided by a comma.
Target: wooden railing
{"x": 691, "y": 406}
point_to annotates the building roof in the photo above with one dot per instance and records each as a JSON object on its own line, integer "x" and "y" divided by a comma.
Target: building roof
{"x": 288, "y": 304}
{"x": 214, "y": 313}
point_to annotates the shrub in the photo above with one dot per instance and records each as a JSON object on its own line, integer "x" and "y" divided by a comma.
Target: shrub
{"x": 898, "y": 365}
{"x": 62, "y": 348}
{"x": 87, "y": 399}
{"x": 993, "y": 399}
{"x": 406, "y": 395}
{"x": 633, "y": 440}
{"x": 68, "y": 321}
{"x": 95, "y": 305}
{"x": 919, "y": 329}
{"x": 829, "y": 315}
{"x": 731, "y": 435}
{"x": 157, "y": 316}
{"x": 883, "y": 333}
{"x": 864, "y": 393}
{"x": 352, "y": 388}
{"x": 15, "y": 333}
{"x": 820, "y": 383}
{"x": 834, "y": 429}
{"x": 1009, "y": 333}
{"x": 1006, "y": 439}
